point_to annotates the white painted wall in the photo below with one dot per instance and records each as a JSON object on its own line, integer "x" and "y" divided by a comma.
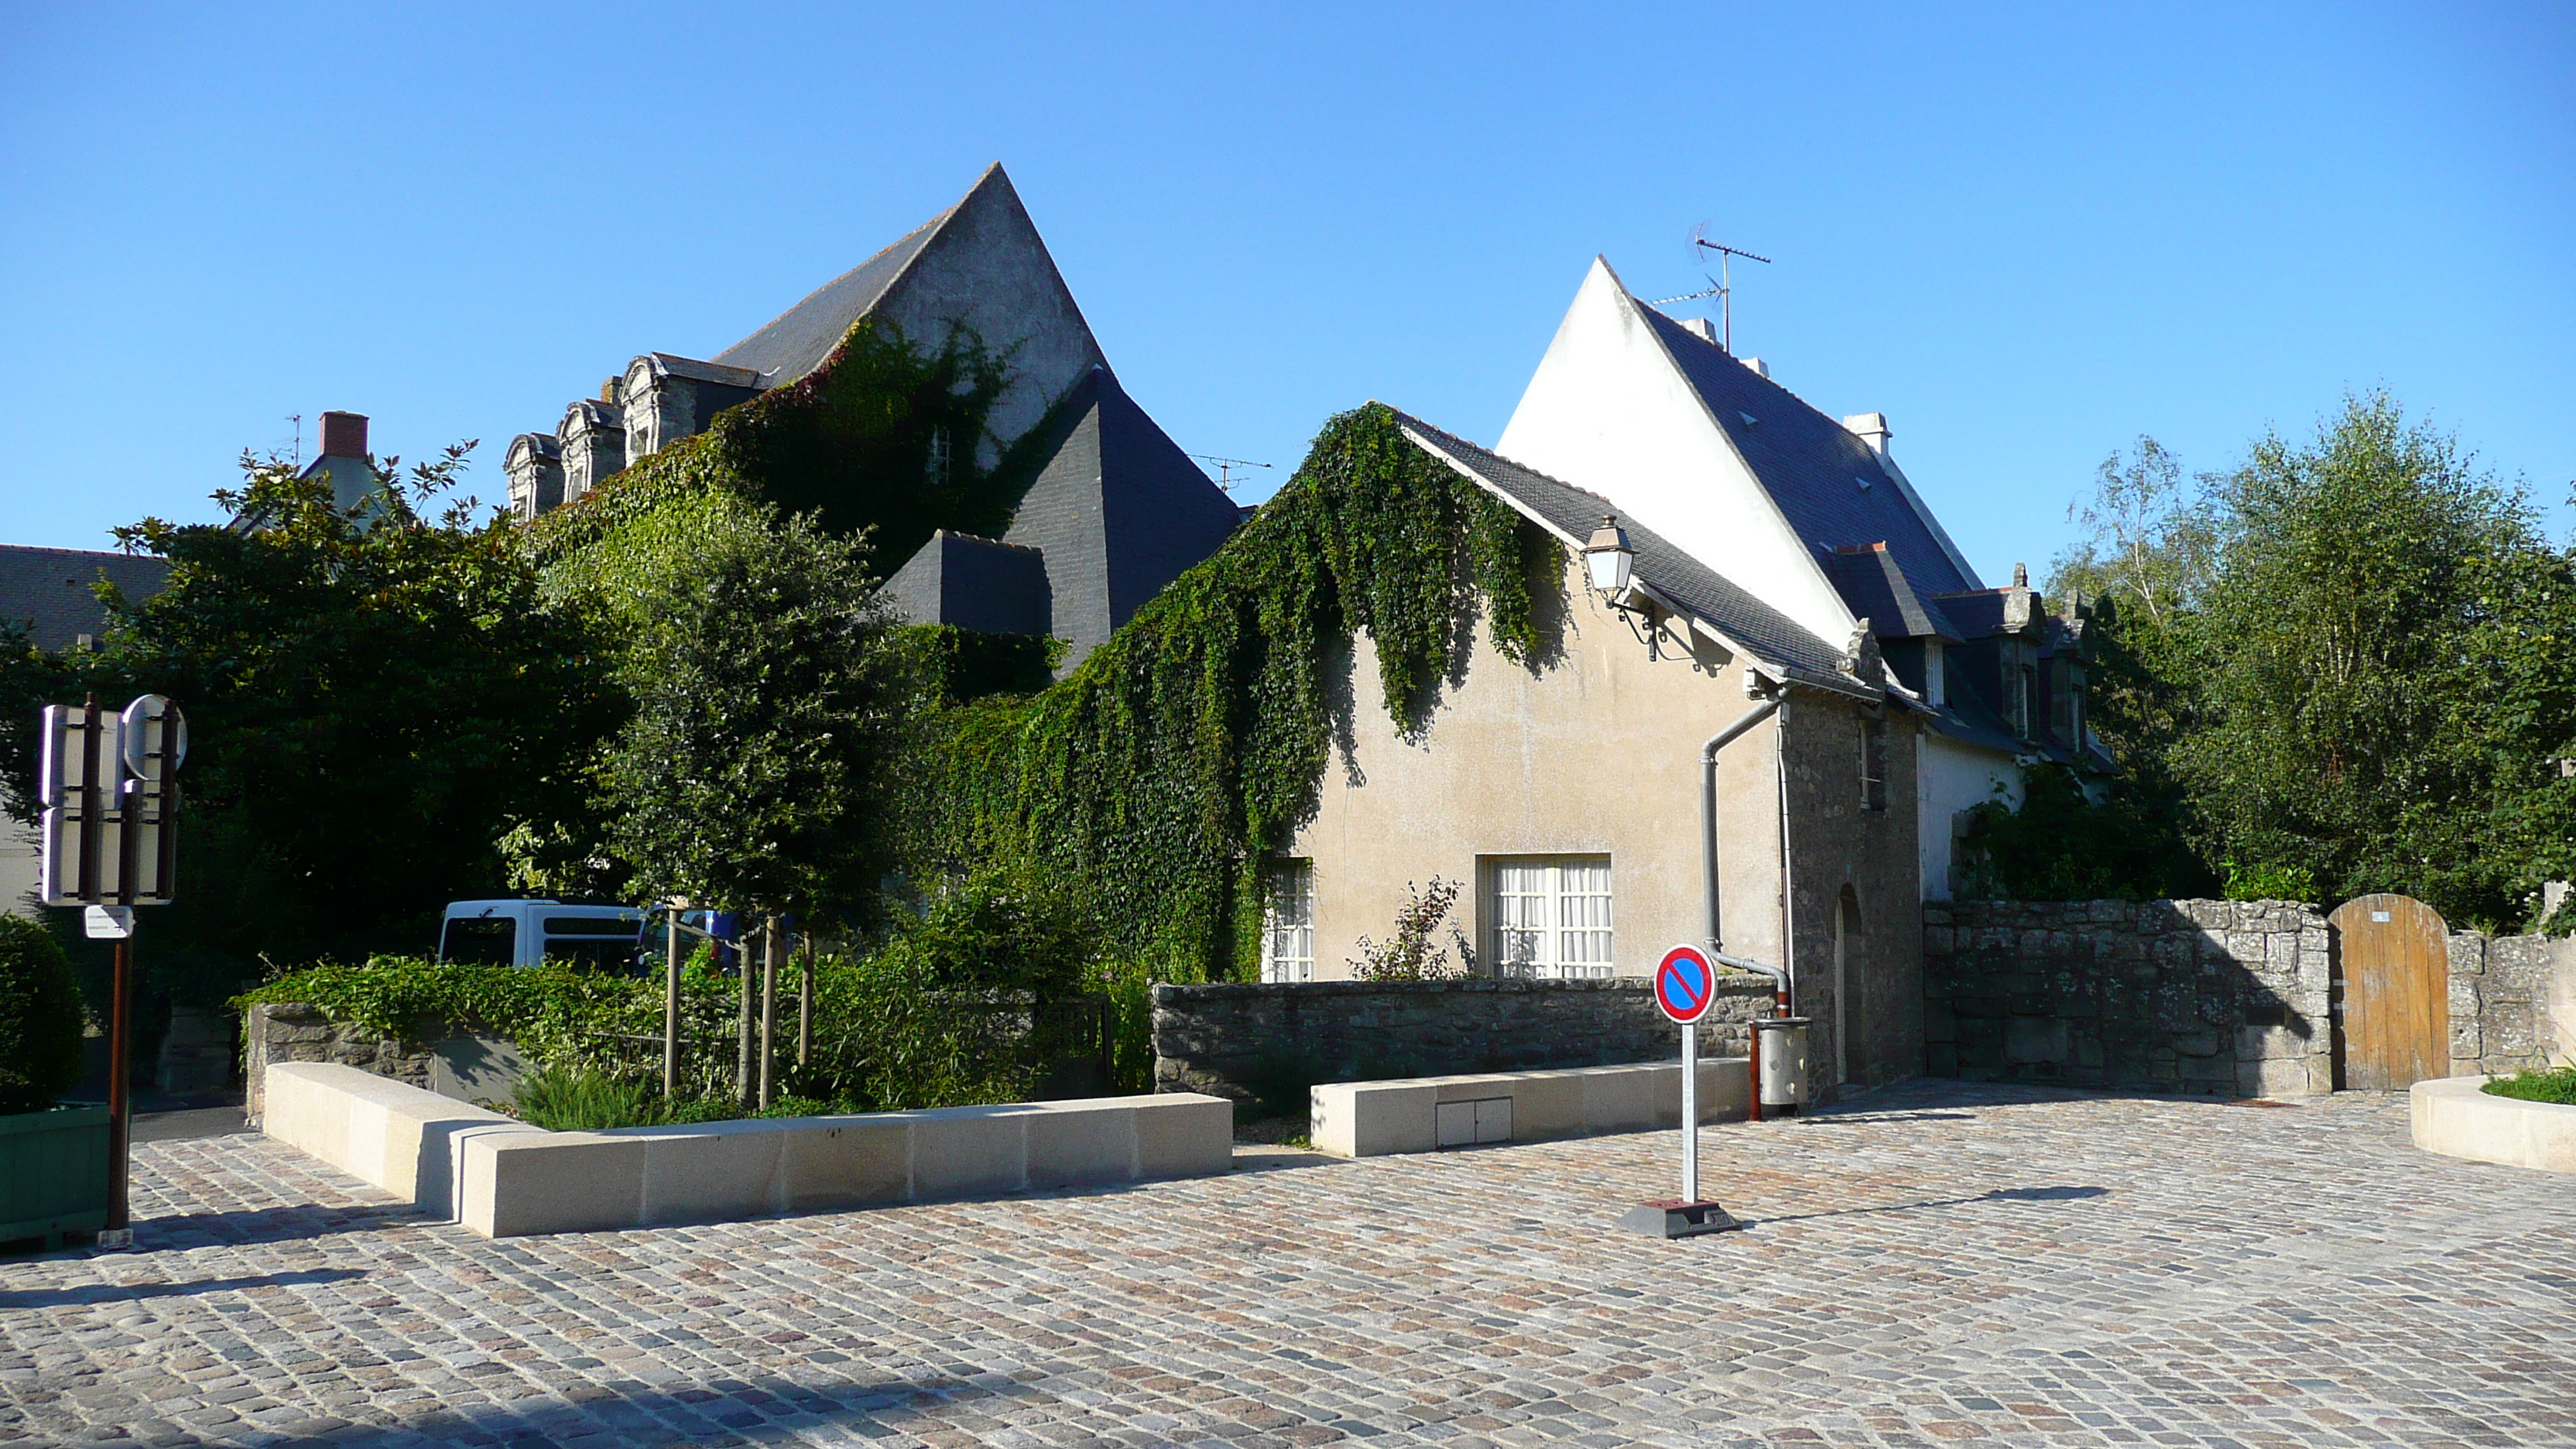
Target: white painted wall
{"x": 1953, "y": 776}
{"x": 1609, "y": 410}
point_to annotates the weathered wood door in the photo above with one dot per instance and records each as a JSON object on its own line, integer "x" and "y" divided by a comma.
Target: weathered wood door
{"x": 2396, "y": 957}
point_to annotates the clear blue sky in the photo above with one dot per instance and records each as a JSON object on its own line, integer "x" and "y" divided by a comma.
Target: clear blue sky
{"x": 2027, "y": 235}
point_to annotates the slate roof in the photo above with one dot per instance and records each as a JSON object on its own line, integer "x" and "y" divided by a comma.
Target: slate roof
{"x": 1686, "y": 583}
{"x": 973, "y": 583}
{"x": 1119, "y": 510}
{"x": 1810, "y": 464}
{"x": 798, "y": 339}
{"x": 1877, "y": 590}
{"x": 47, "y": 590}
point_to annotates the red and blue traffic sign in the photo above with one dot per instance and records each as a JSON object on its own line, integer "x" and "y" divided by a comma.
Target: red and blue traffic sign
{"x": 1685, "y": 984}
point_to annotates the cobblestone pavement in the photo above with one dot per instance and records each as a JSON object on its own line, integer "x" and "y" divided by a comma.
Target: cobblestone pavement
{"x": 1941, "y": 1264}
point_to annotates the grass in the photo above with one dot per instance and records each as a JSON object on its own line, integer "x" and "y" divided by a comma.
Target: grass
{"x": 562, "y": 1101}
{"x": 2553, "y": 1084}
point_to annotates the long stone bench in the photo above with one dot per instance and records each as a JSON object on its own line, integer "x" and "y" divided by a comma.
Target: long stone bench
{"x": 2456, "y": 1117}
{"x": 1425, "y": 1114}
{"x": 504, "y": 1178}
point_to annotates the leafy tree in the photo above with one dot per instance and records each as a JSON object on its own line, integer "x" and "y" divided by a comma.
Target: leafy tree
{"x": 371, "y": 693}
{"x": 771, "y": 701}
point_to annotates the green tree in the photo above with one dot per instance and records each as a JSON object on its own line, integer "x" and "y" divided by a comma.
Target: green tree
{"x": 771, "y": 700}
{"x": 371, "y": 694}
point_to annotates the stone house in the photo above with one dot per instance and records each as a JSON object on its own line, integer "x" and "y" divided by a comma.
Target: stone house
{"x": 1116, "y": 511}
{"x": 1749, "y": 740}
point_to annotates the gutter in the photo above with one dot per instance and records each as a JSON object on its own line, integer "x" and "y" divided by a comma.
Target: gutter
{"x": 1708, "y": 753}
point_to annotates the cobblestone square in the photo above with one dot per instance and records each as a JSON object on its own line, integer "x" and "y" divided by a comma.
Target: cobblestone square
{"x": 1937, "y": 1264}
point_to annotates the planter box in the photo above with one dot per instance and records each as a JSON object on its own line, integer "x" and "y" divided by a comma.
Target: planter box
{"x": 2457, "y": 1117}
{"x": 53, "y": 1173}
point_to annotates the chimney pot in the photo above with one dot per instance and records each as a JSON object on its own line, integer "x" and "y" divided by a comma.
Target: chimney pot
{"x": 1701, "y": 328}
{"x": 1871, "y": 428}
{"x": 344, "y": 435}
{"x": 2021, "y": 576}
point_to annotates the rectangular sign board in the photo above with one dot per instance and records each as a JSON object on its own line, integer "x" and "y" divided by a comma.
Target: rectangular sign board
{"x": 90, "y": 809}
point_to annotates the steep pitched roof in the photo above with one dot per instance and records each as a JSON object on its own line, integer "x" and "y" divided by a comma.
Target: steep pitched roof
{"x": 47, "y": 590}
{"x": 1682, "y": 582}
{"x": 1877, "y": 590}
{"x": 798, "y": 339}
{"x": 1832, "y": 487}
{"x": 1119, "y": 510}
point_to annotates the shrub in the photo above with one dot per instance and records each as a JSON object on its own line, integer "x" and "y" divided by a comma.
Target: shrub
{"x": 562, "y": 1101}
{"x": 2554, "y": 1084}
{"x": 1413, "y": 955}
{"x": 40, "y": 1018}
{"x": 2271, "y": 883}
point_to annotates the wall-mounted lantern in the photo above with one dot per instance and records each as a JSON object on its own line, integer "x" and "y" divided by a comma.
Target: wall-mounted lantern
{"x": 1609, "y": 559}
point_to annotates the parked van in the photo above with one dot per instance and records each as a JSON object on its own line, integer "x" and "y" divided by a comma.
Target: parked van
{"x": 526, "y": 933}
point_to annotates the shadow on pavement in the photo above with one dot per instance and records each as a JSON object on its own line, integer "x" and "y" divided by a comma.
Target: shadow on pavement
{"x": 90, "y": 1293}
{"x": 270, "y": 1225}
{"x": 2001, "y": 1194}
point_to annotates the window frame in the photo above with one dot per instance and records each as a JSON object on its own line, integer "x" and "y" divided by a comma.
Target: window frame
{"x": 1278, "y": 968}
{"x": 1872, "y": 737}
{"x": 1551, "y": 936}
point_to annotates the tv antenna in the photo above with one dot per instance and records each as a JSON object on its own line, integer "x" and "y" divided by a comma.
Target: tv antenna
{"x": 1720, "y": 286}
{"x": 1226, "y": 468}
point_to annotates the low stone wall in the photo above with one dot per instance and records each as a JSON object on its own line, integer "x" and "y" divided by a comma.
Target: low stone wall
{"x": 1370, "y": 1119}
{"x": 2513, "y": 1002}
{"x": 291, "y": 1031}
{"x": 2227, "y": 997}
{"x": 2458, "y": 1118}
{"x": 1220, "y": 1038}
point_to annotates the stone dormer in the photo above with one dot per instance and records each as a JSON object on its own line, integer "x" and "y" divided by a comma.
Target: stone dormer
{"x": 593, "y": 438}
{"x": 667, "y": 398}
{"x": 535, "y": 466}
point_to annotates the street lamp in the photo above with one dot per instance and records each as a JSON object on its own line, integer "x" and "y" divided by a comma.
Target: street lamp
{"x": 1609, "y": 558}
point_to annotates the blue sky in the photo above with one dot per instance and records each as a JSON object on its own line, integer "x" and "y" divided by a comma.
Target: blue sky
{"x": 2027, "y": 235}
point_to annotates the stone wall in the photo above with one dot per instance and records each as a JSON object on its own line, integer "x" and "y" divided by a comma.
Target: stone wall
{"x": 2226, "y": 997}
{"x": 2513, "y": 1002}
{"x": 291, "y": 1031}
{"x": 1219, "y": 1037}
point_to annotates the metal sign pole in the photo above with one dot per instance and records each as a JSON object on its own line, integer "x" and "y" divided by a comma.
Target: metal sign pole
{"x": 1690, "y": 1113}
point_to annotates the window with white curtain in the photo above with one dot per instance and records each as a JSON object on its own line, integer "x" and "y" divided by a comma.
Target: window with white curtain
{"x": 1550, "y": 915}
{"x": 1288, "y": 922}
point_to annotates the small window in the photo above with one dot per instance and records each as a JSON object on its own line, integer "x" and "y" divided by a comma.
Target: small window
{"x": 936, "y": 466}
{"x": 2061, "y": 699}
{"x": 1288, "y": 922}
{"x": 1873, "y": 764}
{"x": 480, "y": 941}
{"x": 1551, "y": 916}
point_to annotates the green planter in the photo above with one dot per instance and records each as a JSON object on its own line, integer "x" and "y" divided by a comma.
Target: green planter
{"x": 53, "y": 1173}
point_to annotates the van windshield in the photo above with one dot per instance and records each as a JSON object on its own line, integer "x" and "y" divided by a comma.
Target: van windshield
{"x": 480, "y": 941}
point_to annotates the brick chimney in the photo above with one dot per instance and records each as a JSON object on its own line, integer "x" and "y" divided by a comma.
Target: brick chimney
{"x": 344, "y": 435}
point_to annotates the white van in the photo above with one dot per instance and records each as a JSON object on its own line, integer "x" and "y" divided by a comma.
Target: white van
{"x": 526, "y": 933}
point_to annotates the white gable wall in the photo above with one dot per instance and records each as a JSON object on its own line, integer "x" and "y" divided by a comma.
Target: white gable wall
{"x": 1608, "y": 410}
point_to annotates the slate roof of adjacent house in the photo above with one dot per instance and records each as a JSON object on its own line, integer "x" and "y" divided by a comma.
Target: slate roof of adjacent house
{"x": 1686, "y": 583}
{"x": 47, "y": 590}
{"x": 974, "y": 583}
{"x": 1119, "y": 510}
{"x": 1829, "y": 484}
{"x": 1877, "y": 590}
{"x": 798, "y": 339}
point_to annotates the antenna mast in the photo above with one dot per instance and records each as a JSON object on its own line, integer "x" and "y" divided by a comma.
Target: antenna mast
{"x": 1225, "y": 468}
{"x": 1725, "y": 292}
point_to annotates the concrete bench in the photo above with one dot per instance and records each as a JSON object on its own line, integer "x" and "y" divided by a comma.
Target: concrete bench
{"x": 1425, "y": 1114}
{"x": 2457, "y": 1117}
{"x": 504, "y": 1178}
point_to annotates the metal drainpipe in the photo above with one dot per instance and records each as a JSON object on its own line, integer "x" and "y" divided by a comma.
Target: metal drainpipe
{"x": 1709, "y": 875}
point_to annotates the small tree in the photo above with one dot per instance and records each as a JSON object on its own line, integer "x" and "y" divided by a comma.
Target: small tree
{"x": 1413, "y": 954}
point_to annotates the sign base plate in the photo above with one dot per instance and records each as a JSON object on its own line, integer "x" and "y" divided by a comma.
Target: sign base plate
{"x": 1674, "y": 1218}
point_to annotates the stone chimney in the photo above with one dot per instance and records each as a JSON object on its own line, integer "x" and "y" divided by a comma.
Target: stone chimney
{"x": 1871, "y": 428}
{"x": 1701, "y": 328}
{"x": 344, "y": 435}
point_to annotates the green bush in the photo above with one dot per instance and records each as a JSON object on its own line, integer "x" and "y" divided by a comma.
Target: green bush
{"x": 2553, "y": 1084}
{"x": 2271, "y": 883}
{"x": 562, "y": 1101}
{"x": 40, "y": 1018}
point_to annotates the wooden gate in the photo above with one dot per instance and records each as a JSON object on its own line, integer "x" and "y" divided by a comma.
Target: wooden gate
{"x": 2396, "y": 958}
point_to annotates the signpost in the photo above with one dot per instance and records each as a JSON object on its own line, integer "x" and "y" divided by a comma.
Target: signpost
{"x": 110, "y": 792}
{"x": 1685, "y": 987}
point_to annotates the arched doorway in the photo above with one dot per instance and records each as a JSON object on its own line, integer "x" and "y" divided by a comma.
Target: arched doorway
{"x": 2394, "y": 956}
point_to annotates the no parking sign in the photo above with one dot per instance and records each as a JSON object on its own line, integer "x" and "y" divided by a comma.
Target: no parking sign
{"x": 1685, "y": 984}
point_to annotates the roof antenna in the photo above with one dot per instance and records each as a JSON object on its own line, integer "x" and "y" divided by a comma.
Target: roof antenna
{"x": 1718, "y": 285}
{"x": 1225, "y": 468}
{"x": 298, "y": 420}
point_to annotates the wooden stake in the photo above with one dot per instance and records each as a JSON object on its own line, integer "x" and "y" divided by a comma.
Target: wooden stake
{"x": 746, "y": 1089}
{"x": 805, "y": 1010}
{"x": 769, "y": 943}
{"x": 671, "y": 1010}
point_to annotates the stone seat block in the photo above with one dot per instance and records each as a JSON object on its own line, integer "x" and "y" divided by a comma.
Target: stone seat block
{"x": 1371, "y": 1119}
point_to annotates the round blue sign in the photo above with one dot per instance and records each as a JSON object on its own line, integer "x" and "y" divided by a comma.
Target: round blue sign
{"x": 1685, "y": 984}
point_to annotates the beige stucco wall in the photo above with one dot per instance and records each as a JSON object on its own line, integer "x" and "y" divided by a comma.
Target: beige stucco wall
{"x": 1596, "y": 751}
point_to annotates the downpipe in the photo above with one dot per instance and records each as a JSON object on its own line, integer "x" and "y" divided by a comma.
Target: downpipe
{"x": 1709, "y": 881}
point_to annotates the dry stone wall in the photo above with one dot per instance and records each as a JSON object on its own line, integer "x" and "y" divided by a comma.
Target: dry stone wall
{"x": 2513, "y": 1002}
{"x": 1221, "y": 1037}
{"x": 290, "y": 1031}
{"x": 2226, "y": 997}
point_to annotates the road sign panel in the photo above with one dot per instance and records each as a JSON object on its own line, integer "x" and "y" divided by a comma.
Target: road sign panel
{"x": 1685, "y": 984}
